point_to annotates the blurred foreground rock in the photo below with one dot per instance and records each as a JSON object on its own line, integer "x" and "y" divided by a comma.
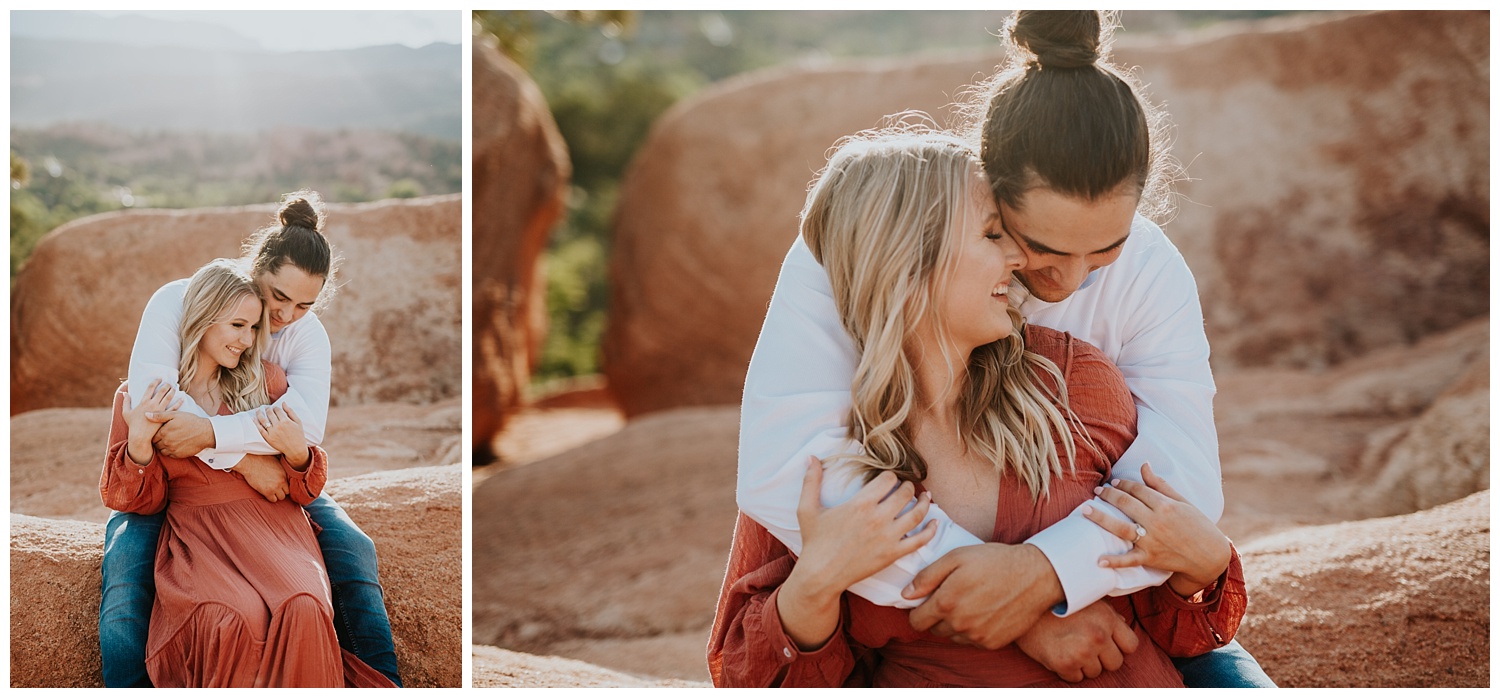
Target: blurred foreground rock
{"x": 521, "y": 172}
{"x": 394, "y": 324}
{"x": 1338, "y": 201}
{"x": 414, "y": 516}
{"x": 498, "y": 668}
{"x": 1400, "y": 601}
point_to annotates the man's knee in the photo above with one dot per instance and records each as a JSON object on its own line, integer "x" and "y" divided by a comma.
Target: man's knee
{"x": 130, "y": 549}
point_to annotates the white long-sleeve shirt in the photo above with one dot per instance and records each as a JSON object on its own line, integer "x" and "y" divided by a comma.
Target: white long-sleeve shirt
{"x": 301, "y": 348}
{"x": 1142, "y": 311}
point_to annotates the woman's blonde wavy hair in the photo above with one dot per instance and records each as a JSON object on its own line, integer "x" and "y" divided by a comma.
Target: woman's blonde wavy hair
{"x": 879, "y": 219}
{"x": 213, "y": 290}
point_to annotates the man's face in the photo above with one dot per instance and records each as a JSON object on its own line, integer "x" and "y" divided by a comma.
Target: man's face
{"x": 289, "y": 293}
{"x": 1065, "y": 238}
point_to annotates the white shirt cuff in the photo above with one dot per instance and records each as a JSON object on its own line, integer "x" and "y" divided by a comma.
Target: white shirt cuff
{"x": 1074, "y": 546}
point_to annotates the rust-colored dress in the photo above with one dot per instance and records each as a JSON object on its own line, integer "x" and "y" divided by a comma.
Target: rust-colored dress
{"x": 876, "y": 645}
{"x": 242, "y": 596}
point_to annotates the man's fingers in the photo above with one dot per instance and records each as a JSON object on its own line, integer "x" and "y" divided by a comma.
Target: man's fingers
{"x": 1111, "y": 658}
{"x": 159, "y": 417}
{"x": 1092, "y": 668}
{"x": 1125, "y": 637}
{"x": 928, "y": 581}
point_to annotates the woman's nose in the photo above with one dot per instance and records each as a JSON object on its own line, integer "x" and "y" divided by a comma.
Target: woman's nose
{"x": 1015, "y": 256}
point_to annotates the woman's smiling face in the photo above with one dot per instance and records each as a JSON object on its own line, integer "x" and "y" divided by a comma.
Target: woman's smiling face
{"x": 231, "y": 333}
{"x": 972, "y": 294}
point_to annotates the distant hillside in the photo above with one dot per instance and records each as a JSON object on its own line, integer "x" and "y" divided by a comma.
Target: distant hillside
{"x": 392, "y": 88}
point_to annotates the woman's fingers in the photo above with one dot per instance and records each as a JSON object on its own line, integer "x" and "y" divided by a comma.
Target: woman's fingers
{"x": 1124, "y": 530}
{"x": 916, "y": 540}
{"x": 175, "y": 403}
{"x": 290, "y": 414}
{"x": 1127, "y": 504}
{"x": 1145, "y": 495}
{"x": 917, "y": 512}
{"x": 1156, "y": 483}
{"x": 812, "y": 485}
{"x": 1134, "y": 558}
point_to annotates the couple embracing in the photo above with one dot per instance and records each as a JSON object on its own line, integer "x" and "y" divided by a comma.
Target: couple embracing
{"x": 224, "y": 564}
{"x": 977, "y": 443}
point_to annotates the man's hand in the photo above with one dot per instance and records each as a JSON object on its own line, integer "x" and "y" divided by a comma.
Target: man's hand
{"x": 264, "y": 474}
{"x": 182, "y": 435}
{"x": 1082, "y": 645}
{"x": 985, "y": 595}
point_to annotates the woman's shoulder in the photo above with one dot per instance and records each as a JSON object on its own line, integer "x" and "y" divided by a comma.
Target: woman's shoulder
{"x": 1071, "y": 354}
{"x": 1095, "y": 385}
{"x": 275, "y": 379}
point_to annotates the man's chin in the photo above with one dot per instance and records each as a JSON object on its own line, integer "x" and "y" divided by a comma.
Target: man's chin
{"x": 1048, "y": 294}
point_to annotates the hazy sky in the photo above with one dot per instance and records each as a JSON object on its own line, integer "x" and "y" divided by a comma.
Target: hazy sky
{"x": 320, "y": 30}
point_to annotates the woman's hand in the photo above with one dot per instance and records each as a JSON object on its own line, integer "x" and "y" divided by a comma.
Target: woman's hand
{"x": 281, "y": 429}
{"x": 1169, "y": 533}
{"x": 843, "y": 545}
{"x": 158, "y": 398}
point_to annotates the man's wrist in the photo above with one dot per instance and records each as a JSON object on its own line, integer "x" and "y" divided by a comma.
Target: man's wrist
{"x": 1045, "y": 587}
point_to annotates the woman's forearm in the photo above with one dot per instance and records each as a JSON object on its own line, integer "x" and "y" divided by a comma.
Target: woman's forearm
{"x": 809, "y": 609}
{"x": 140, "y": 449}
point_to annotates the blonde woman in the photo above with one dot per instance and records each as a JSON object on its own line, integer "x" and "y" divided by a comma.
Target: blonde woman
{"x": 242, "y": 594}
{"x": 956, "y": 400}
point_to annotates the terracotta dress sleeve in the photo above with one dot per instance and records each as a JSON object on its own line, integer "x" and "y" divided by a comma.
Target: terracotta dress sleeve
{"x": 1190, "y": 627}
{"x": 126, "y": 485}
{"x": 748, "y": 647}
{"x": 305, "y": 485}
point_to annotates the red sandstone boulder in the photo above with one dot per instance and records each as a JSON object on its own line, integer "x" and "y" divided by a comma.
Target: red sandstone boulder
{"x": 1442, "y": 455}
{"x": 414, "y": 516}
{"x": 1339, "y": 200}
{"x": 498, "y": 668}
{"x": 520, "y": 184}
{"x": 1402, "y": 601}
{"x": 620, "y": 541}
{"x": 1394, "y": 431}
{"x": 394, "y": 325}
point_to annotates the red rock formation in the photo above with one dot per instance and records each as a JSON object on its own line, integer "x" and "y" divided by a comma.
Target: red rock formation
{"x": 1339, "y": 200}
{"x": 1401, "y": 601}
{"x": 414, "y": 516}
{"x": 498, "y": 668}
{"x": 520, "y": 184}
{"x": 619, "y": 540}
{"x": 394, "y": 325}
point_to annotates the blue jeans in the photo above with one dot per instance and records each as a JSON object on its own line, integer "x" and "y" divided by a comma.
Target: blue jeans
{"x": 129, "y": 572}
{"x": 1229, "y": 666}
